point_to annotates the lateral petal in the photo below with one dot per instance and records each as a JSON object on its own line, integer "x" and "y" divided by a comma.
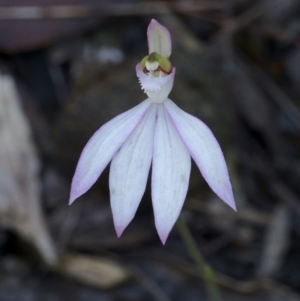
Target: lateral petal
{"x": 102, "y": 146}
{"x": 205, "y": 150}
{"x": 159, "y": 39}
{"x": 170, "y": 174}
{"x": 129, "y": 171}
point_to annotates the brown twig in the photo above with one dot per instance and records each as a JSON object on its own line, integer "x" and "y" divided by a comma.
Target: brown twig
{"x": 239, "y": 286}
{"x": 94, "y": 11}
{"x": 246, "y": 18}
{"x": 279, "y": 97}
{"x": 277, "y": 186}
{"x": 151, "y": 286}
{"x": 246, "y": 215}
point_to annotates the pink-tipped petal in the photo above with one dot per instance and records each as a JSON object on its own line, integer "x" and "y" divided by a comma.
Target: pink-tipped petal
{"x": 205, "y": 150}
{"x": 129, "y": 171}
{"x": 102, "y": 146}
{"x": 159, "y": 39}
{"x": 170, "y": 174}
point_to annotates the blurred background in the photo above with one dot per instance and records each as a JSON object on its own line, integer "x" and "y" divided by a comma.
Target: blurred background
{"x": 67, "y": 67}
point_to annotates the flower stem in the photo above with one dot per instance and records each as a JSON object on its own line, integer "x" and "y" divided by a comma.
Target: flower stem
{"x": 208, "y": 273}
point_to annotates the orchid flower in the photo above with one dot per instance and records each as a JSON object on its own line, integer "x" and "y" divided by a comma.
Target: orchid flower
{"x": 156, "y": 131}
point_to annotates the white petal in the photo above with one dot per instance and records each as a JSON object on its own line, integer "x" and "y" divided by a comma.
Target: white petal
{"x": 170, "y": 174}
{"x": 205, "y": 150}
{"x": 159, "y": 39}
{"x": 102, "y": 146}
{"x": 129, "y": 171}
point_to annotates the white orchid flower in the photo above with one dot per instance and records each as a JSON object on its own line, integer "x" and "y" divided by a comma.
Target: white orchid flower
{"x": 156, "y": 131}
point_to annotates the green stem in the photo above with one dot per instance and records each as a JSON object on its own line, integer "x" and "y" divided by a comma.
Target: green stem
{"x": 208, "y": 273}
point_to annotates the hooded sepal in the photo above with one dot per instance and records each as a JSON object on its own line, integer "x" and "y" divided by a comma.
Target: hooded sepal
{"x": 159, "y": 39}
